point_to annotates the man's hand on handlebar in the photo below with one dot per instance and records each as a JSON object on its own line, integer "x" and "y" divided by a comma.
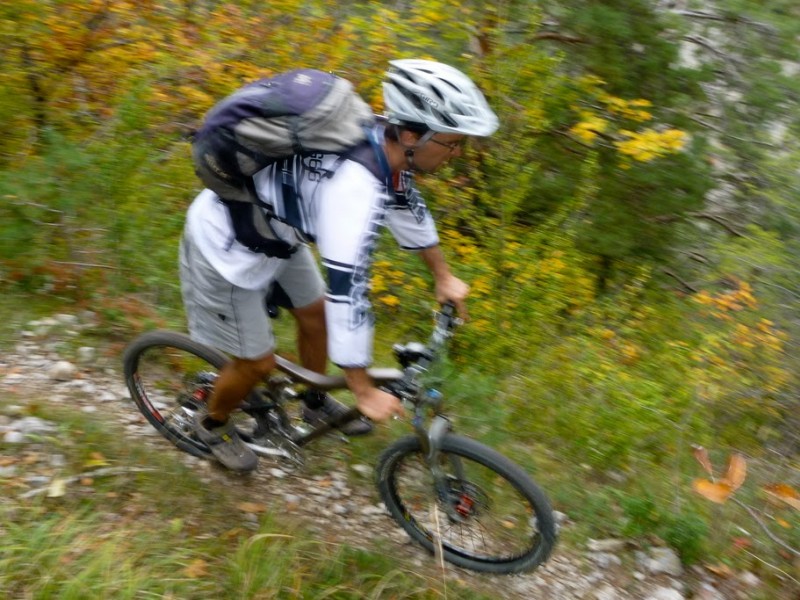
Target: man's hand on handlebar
{"x": 379, "y": 405}
{"x": 451, "y": 289}
{"x": 372, "y": 402}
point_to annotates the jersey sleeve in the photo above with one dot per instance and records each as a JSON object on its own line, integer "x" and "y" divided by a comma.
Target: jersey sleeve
{"x": 408, "y": 218}
{"x": 351, "y": 211}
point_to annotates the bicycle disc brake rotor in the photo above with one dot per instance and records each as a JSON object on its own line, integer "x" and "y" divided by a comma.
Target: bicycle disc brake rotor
{"x": 465, "y": 500}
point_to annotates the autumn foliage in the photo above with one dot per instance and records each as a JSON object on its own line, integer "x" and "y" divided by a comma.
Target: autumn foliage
{"x": 564, "y": 223}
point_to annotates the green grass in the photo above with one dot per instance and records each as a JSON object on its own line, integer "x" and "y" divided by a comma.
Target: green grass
{"x": 138, "y": 535}
{"x": 165, "y": 533}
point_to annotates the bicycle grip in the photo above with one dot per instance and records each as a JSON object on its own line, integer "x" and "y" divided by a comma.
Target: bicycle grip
{"x": 449, "y": 309}
{"x": 446, "y": 317}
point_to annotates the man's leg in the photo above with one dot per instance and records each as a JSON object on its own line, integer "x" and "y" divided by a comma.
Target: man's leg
{"x": 312, "y": 335}
{"x": 231, "y": 319}
{"x": 299, "y": 288}
{"x": 235, "y": 381}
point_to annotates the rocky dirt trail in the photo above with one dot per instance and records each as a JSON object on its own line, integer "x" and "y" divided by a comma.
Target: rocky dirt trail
{"x": 47, "y": 362}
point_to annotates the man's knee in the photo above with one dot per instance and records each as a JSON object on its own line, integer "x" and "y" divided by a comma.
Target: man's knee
{"x": 311, "y": 318}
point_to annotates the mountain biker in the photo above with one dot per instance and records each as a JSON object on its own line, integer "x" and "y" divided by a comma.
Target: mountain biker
{"x": 340, "y": 205}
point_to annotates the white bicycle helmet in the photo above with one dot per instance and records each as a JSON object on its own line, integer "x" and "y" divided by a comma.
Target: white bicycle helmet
{"x": 438, "y": 96}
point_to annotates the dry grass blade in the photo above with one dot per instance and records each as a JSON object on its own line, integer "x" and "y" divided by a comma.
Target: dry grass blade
{"x": 58, "y": 483}
{"x": 438, "y": 552}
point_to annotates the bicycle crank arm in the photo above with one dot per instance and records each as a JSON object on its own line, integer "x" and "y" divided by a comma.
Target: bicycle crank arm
{"x": 274, "y": 451}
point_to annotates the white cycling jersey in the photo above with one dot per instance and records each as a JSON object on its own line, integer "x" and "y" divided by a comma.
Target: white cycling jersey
{"x": 340, "y": 206}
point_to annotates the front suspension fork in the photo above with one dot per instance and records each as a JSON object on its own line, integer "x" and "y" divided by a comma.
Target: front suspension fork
{"x": 431, "y": 440}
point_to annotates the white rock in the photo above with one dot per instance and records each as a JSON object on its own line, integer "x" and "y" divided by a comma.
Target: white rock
{"x": 560, "y": 518}
{"x": 665, "y": 560}
{"x": 707, "y": 592}
{"x": 87, "y": 387}
{"x": 364, "y": 470}
{"x": 32, "y": 425}
{"x": 89, "y": 409}
{"x": 371, "y": 510}
{"x": 62, "y": 371}
{"x": 609, "y": 545}
{"x": 605, "y": 560}
{"x": 105, "y": 396}
{"x": 66, "y": 319}
{"x": 14, "y": 437}
{"x": 749, "y": 579}
{"x": 606, "y": 592}
{"x": 87, "y": 354}
{"x": 665, "y": 593}
{"x": 277, "y": 473}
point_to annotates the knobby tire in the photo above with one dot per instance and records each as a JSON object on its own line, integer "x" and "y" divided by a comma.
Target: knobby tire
{"x": 519, "y": 538}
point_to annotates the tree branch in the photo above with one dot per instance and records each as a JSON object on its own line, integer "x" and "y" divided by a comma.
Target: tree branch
{"x": 734, "y": 19}
{"x": 556, "y": 37}
{"x": 763, "y": 526}
{"x": 687, "y": 286}
{"x": 719, "y": 221}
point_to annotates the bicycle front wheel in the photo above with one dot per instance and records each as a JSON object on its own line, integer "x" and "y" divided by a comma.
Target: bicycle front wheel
{"x": 488, "y": 516}
{"x": 170, "y": 377}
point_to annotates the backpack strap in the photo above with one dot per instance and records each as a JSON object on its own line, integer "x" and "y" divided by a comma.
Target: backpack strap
{"x": 370, "y": 155}
{"x": 252, "y": 228}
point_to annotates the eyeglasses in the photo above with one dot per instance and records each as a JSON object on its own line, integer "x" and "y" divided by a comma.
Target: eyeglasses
{"x": 451, "y": 146}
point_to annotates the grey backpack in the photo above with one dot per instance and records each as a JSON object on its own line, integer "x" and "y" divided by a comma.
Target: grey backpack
{"x": 304, "y": 111}
{"x": 299, "y": 112}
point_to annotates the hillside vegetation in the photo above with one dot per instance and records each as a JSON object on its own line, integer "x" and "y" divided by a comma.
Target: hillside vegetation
{"x": 630, "y": 234}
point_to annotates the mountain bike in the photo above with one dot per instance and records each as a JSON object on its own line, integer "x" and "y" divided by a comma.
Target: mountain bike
{"x": 451, "y": 494}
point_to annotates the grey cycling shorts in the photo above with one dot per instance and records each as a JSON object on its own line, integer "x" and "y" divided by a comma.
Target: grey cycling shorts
{"x": 234, "y": 319}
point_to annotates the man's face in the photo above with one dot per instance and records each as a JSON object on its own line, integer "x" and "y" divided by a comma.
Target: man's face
{"x": 437, "y": 150}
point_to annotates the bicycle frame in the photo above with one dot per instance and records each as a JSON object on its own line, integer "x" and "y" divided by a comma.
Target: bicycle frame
{"x": 472, "y": 486}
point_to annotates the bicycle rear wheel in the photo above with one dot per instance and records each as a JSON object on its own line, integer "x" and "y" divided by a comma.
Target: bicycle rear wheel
{"x": 170, "y": 377}
{"x": 491, "y": 517}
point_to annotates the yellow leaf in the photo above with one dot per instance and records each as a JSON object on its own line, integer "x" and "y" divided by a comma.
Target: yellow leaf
{"x": 720, "y": 570}
{"x": 58, "y": 487}
{"x": 197, "y": 569}
{"x": 251, "y": 507}
{"x": 96, "y": 460}
{"x": 390, "y": 300}
{"x": 701, "y": 455}
{"x": 785, "y": 493}
{"x": 716, "y": 492}
{"x": 736, "y": 472}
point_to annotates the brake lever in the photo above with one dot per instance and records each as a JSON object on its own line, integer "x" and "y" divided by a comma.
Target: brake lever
{"x": 447, "y": 318}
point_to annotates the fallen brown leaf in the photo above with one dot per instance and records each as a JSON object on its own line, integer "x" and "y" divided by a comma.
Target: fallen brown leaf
{"x": 196, "y": 569}
{"x": 252, "y": 507}
{"x": 716, "y": 492}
